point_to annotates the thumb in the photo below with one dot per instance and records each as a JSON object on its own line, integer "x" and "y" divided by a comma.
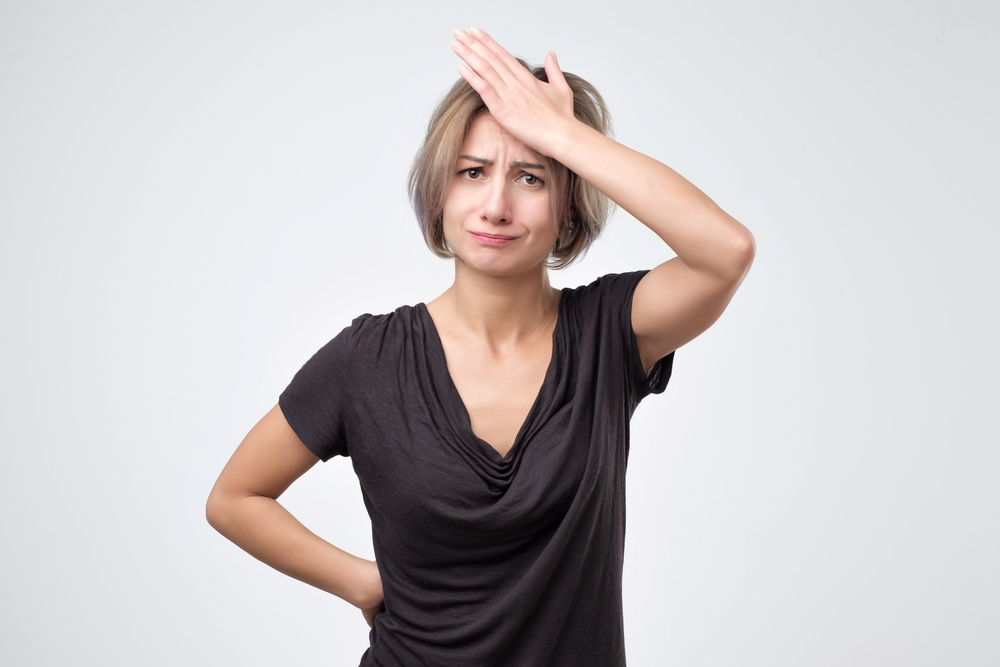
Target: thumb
{"x": 553, "y": 72}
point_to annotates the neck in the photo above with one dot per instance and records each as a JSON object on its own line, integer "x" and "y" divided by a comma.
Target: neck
{"x": 501, "y": 309}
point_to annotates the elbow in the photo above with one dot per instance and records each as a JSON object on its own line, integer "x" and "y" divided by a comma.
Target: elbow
{"x": 215, "y": 511}
{"x": 747, "y": 251}
{"x": 739, "y": 255}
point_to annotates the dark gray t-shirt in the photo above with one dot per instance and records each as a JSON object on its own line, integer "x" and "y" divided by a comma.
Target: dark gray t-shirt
{"x": 487, "y": 560}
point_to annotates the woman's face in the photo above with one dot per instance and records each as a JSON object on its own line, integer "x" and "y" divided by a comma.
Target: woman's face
{"x": 497, "y": 217}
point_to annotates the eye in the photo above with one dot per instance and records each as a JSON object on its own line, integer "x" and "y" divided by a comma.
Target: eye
{"x": 473, "y": 173}
{"x": 530, "y": 179}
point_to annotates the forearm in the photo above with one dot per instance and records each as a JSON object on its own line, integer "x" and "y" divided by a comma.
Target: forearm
{"x": 705, "y": 238}
{"x": 266, "y": 530}
{"x": 702, "y": 235}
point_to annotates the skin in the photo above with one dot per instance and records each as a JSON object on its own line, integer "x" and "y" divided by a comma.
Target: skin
{"x": 498, "y": 222}
{"x": 496, "y": 321}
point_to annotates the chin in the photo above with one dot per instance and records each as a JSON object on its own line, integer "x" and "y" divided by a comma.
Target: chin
{"x": 500, "y": 266}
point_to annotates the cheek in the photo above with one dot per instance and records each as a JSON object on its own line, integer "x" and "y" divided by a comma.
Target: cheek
{"x": 452, "y": 218}
{"x": 449, "y": 212}
{"x": 542, "y": 212}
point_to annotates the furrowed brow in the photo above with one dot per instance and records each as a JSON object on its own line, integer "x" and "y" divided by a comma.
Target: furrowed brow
{"x": 489, "y": 163}
{"x": 479, "y": 160}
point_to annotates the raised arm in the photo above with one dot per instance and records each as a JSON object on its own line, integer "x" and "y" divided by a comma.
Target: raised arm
{"x": 678, "y": 299}
{"x": 243, "y": 506}
{"x": 682, "y": 297}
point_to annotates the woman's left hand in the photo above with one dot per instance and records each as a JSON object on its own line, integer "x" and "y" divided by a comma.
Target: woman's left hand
{"x": 372, "y": 614}
{"x": 534, "y": 112}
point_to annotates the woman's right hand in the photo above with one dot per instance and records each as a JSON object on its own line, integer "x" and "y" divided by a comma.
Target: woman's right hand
{"x": 243, "y": 506}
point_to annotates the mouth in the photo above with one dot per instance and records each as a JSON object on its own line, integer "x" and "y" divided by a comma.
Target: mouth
{"x": 493, "y": 239}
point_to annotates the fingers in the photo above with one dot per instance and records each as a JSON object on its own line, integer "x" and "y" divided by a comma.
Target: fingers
{"x": 489, "y": 69}
{"x": 487, "y": 58}
{"x": 478, "y": 84}
{"x": 524, "y": 106}
{"x": 480, "y": 36}
{"x": 476, "y": 67}
{"x": 471, "y": 73}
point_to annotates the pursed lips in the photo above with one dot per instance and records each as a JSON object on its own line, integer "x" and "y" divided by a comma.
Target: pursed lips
{"x": 493, "y": 239}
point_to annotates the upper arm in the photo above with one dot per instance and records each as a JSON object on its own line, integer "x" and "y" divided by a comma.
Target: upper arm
{"x": 673, "y": 304}
{"x": 266, "y": 463}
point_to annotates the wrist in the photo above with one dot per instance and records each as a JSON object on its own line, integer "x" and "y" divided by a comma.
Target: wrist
{"x": 570, "y": 142}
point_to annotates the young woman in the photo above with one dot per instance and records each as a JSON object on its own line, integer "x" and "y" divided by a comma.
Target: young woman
{"x": 489, "y": 427}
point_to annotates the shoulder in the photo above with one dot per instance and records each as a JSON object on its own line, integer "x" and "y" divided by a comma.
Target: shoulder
{"x": 602, "y": 308}
{"x": 369, "y": 334}
{"x": 367, "y": 326}
{"x": 599, "y": 319}
{"x": 612, "y": 291}
{"x": 599, "y": 328}
{"x": 610, "y": 283}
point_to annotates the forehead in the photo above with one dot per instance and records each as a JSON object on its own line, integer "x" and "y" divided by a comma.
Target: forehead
{"x": 486, "y": 139}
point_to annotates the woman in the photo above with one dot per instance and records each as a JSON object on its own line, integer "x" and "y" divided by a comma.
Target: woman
{"x": 489, "y": 427}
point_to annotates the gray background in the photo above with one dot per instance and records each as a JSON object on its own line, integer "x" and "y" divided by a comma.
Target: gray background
{"x": 195, "y": 196}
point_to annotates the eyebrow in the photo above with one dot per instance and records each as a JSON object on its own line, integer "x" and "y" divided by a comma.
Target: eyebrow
{"x": 489, "y": 163}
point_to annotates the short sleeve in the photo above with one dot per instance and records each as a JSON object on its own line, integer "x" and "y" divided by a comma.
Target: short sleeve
{"x": 644, "y": 381}
{"x": 316, "y": 402}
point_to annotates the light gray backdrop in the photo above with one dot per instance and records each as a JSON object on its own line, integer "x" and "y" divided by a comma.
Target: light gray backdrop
{"x": 195, "y": 196}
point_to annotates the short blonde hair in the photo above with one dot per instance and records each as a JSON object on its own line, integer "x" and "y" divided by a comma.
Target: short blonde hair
{"x": 579, "y": 208}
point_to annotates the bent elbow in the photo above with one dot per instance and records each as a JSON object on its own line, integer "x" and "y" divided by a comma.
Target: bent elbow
{"x": 215, "y": 511}
{"x": 746, "y": 251}
{"x": 740, "y": 253}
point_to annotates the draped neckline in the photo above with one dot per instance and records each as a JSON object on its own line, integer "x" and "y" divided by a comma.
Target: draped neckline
{"x": 446, "y": 386}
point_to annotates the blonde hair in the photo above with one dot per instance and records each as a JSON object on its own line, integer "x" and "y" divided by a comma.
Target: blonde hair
{"x": 579, "y": 208}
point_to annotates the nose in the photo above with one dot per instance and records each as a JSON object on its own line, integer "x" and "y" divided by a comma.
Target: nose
{"x": 496, "y": 205}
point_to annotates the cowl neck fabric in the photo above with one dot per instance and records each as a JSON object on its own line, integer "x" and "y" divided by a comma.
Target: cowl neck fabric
{"x": 455, "y": 406}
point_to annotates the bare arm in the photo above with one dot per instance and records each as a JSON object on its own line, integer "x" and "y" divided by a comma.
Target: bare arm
{"x": 680, "y": 298}
{"x": 243, "y": 506}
